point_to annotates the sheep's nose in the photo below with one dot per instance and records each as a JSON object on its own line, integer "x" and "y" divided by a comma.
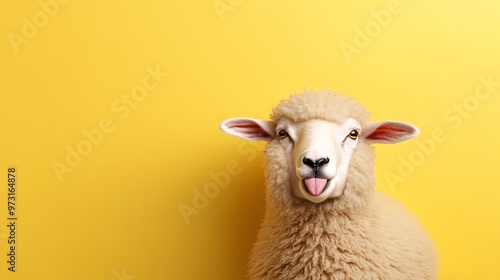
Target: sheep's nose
{"x": 315, "y": 164}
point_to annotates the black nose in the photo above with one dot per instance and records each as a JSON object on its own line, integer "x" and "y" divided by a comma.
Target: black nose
{"x": 315, "y": 164}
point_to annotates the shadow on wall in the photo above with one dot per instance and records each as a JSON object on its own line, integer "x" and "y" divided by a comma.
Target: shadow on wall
{"x": 243, "y": 214}
{"x": 228, "y": 208}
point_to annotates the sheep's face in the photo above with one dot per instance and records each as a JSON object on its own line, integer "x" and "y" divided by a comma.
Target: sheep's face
{"x": 318, "y": 153}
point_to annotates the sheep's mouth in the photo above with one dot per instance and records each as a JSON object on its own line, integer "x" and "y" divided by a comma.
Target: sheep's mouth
{"x": 315, "y": 186}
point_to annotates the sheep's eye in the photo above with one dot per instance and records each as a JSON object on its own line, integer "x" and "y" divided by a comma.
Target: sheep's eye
{"x": 353, "y": 134}
{"x": 282, "y": 134}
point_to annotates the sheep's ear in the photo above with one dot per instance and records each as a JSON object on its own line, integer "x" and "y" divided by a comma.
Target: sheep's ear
{"x": 249, "y": 129}
{"x": 389, "y": 132}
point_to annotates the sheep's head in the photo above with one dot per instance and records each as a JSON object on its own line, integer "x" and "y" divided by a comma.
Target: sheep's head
{"x": 319, "y": 134}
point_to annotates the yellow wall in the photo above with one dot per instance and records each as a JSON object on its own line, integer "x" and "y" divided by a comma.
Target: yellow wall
{"x": 110, "y": 112}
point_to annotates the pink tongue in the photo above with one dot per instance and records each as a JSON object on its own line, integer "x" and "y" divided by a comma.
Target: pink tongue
{"x": 315, "y": 185}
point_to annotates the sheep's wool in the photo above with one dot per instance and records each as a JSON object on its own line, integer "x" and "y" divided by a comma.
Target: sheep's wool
{"x": 362, "y": 234}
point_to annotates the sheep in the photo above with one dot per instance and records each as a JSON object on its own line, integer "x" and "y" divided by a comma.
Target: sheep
{"x": 323, "y": 217}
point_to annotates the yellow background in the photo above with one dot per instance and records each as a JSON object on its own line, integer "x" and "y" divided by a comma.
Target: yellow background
{"x": 116, "y": 215}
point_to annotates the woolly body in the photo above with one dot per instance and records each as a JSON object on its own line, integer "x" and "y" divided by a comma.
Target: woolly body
{"x": 361, "y": 234}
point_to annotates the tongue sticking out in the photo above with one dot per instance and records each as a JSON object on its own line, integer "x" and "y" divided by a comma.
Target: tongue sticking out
{"x": 315, "y": 185}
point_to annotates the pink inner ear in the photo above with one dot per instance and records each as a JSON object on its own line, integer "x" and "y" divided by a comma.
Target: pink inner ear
{"x": 251, "y": 130}
{"x": 389, "y": 132}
